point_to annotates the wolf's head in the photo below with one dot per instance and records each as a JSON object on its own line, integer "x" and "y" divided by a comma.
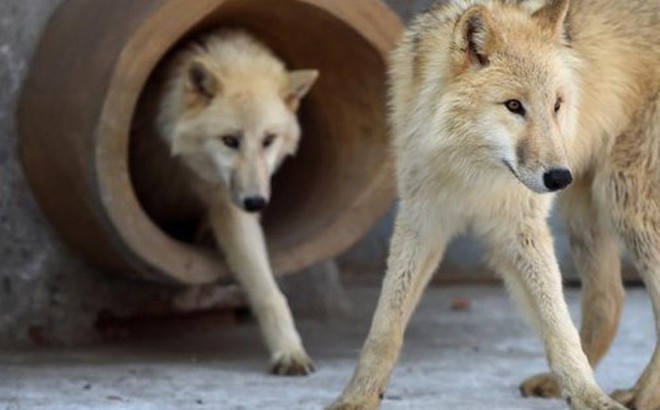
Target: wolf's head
{"x": 512, "y": 89}
{"x": 238, "y": 120}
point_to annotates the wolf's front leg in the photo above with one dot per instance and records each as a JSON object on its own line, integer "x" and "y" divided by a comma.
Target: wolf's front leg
{"x": 414, "y": 253}
{"x": 525, "y": 257}
{"x": 240, "y": 236}
{"x": 595, "y": 250}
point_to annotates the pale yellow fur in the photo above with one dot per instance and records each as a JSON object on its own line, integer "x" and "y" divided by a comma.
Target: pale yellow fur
{"x": 229, "y": 88}
{"x": 466, "y": 162}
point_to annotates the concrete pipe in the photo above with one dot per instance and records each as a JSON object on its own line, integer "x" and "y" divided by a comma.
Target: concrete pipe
{"x": 81, "y": 97}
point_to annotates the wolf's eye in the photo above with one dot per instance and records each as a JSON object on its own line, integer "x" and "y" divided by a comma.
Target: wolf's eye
{"x": 231, "y": 141}
{"x": 558, "y": 105}
{"x": 268, "y": 140}
{"x": 516, "y": 107}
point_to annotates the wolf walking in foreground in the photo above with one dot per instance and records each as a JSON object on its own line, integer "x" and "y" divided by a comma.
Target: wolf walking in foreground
{"x": 227, "y": 113}
{"x": 495, "y": 104}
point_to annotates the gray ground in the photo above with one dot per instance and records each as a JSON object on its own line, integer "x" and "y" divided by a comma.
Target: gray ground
{"x": 452, "y": 360}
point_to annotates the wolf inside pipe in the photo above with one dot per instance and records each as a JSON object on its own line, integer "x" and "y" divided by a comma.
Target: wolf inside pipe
{"x": 225, "y": 119}
{"x": 494, "y": 105}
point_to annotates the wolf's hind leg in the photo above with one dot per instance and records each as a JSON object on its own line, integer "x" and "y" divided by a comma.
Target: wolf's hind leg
{"x": 632, "y": 185}
{"x": 642, "y": 236}
{"x": 240, "y": 236}
{"x": 595, "y": 250}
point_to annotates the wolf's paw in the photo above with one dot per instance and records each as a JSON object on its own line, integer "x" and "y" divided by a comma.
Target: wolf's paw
{"x": 597, "y": 401}
{"x": 343, "y": 403}
{"x": 638, "y": 400}
{"x": 292, "y": 364}
{"x": 541, "y": 385}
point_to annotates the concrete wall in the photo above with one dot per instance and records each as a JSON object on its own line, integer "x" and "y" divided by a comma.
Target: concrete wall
{"x": 46, "y": 293}
{"x": 35, "y": 272}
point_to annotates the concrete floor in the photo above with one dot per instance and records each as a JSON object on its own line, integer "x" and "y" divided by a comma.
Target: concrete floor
{"x": 452, "y": 360}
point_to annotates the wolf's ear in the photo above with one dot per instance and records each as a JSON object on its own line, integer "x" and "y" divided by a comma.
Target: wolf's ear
{"x": 300, "y": 82}
{"x": 553, "y": 16}
{"x": 201, "y": 81}
{"x": 476, "y": 36}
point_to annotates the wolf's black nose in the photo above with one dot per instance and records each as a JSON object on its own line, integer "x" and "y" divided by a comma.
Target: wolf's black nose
{"x": 557, "y": 179}
{"x": 255, "y": 203}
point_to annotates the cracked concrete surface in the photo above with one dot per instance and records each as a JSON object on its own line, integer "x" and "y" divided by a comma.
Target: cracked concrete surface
{"x": 452, "y": 360}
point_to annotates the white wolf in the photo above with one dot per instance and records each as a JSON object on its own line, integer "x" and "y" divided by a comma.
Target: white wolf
{"x": 227, "y": 114}
{"x": 492, "y": 103}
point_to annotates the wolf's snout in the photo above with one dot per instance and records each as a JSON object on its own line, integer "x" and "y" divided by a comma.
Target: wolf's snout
{"x": 255, "y": 203}
{"x": 557, "y": 179}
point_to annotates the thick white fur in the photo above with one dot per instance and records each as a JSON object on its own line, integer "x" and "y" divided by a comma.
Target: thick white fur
{"x": 464, "y": 161}
{"x": 228, "y": 84}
